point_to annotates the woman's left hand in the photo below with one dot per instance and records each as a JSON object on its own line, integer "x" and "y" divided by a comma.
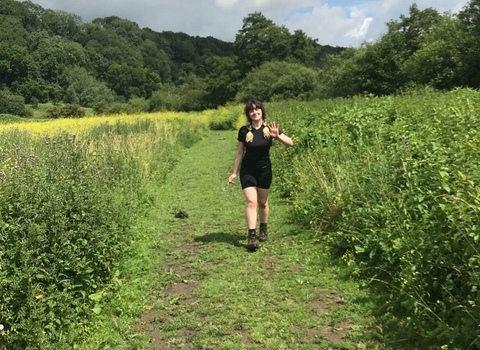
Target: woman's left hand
{"x": 274, "y": 129}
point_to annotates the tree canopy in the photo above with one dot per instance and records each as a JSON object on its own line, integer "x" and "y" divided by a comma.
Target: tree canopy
{"x": 41, "y": 51}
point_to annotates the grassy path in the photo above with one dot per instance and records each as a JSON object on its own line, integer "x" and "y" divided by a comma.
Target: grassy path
{"x": 206, "y": 291}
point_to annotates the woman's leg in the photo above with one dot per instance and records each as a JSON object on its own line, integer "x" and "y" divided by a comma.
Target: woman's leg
{"x": 263, "y": 213}
{"x": 251, "y": 216}
{"x": 262, "y": 199}
{"x": 251, "y": 201}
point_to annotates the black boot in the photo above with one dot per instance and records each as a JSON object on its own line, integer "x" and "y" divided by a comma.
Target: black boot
{"x": 252, "y": 240}
{"x": 263, "y": 237}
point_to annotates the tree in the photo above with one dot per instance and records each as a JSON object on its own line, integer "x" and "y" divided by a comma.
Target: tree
{"x": 31, "y": 89}
{"x": 27, "y": 12}
{"x": 112, "y": 46}
{"x": 437, "y": 61}
{"x": 53, "y": 54}
{"x": 259, "y": 41}
{"x": 64, "y": 24}
{"x": 379, "y": 66}
{"x": 303, "y": 49}
{"x": 415, "y": 26}
{"x": 83, "y": 89}
{"x": 12, "y": 31}
{"x": 156, "y": 60}
{"x": 122, "y": 27}
{"x": 279, "y": 81}
{"x": 15, "y": 63}
{"x": 341, "y": 75}
{"x": 469, "y": 19}
{"x": 128, "y": 81}
{"x": 223, "y": 82}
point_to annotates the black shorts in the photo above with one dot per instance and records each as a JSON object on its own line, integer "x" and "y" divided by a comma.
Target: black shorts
{"x": 256, "y": 175}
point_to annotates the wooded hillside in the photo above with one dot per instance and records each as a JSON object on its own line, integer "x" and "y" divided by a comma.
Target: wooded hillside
{"x": 112, "y": 65}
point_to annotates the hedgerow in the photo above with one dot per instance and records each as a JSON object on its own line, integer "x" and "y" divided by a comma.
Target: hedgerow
{"x": 391, "y": 186}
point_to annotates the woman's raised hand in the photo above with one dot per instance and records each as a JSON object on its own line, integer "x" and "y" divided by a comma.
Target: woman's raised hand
{"x": 274, "y": 129}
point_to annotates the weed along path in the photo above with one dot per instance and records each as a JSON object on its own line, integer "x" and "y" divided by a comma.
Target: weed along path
{"x": 206, "y": 291}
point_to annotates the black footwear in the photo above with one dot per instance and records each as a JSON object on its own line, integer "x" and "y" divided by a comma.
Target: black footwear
{"x": 263, "y": 236}
{"x": 252, "y": 240}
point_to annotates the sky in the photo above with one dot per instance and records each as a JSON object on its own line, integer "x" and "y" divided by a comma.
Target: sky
{"x": 346, "y": 23}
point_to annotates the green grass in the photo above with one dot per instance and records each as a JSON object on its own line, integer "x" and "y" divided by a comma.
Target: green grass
{"x": 194, "y": 285}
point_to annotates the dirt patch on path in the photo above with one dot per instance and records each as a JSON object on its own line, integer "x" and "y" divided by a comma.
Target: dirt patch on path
{"x": 178, "y": 299}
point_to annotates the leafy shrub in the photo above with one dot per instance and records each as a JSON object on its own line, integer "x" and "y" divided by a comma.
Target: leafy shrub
{"x": 223, "y": 119}
{"x": 65, "y": 111}
{"x": 167, "y": 99}
{"x": 84, "y": 89}
{"x": 66, "y": 208}
{"x": 390, "y": 184}
{"x": 12, "y": 104}
{"x": 101, "y": 108}
{"x": 278, "y": 81}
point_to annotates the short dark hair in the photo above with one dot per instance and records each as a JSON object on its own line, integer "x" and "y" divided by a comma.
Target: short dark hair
{"x": 249, "y": 107}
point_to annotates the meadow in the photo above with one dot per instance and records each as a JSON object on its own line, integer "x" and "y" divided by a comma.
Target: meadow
{"x": 71, "y": 189}
{"x": 388, "y": 187}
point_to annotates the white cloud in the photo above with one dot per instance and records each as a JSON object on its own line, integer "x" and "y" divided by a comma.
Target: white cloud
{"x": 225, "y": 3}
{"x": 336, "y": 25}
{"x": 360, "y": 31}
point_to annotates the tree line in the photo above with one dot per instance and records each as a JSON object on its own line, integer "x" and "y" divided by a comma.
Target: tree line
{"x": 112, "y": 65}
{"x": 53, "y": 56}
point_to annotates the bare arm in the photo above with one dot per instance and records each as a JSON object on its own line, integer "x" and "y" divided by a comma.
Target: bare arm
{"x": 275, "y": 133}
{"x": 238, "y": 159}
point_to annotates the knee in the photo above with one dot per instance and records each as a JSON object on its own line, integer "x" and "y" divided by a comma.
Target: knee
{"x": 252, "y": 204}
{"x": 263, "y": 204}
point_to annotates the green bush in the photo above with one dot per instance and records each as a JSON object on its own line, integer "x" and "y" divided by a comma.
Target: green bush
{"x": 65, "y": 111}
{"x": 223, "y": 119}
{"x": 390, "y": 184}
{"x": 13, "y": 104}
{"x": 277, "y": 81}
{"x": 67, "y": 206}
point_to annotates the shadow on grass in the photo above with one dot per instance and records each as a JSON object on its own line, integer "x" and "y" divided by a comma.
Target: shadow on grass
{"x": 221, "y": 237}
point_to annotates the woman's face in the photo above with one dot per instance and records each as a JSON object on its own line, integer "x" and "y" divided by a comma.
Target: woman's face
{"x": 255, "y": 113}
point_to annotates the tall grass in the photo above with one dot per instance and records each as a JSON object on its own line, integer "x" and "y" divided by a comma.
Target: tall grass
{"x": 70, "y": 192}
{"x": 391, "y": 185}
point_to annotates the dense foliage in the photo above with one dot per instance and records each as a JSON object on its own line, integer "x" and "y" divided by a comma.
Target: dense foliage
{"x": 391, "y": 186}
{"x": 52, "y": 56}
{"x": 67, "y": 206}
{"x": 423, "y": 48}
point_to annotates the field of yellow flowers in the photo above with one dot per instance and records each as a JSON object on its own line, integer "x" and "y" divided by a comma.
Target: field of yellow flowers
{"x": 70, "y": 190}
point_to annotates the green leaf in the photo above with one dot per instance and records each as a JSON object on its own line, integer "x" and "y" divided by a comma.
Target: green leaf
{"x": 444, "y": 174}
{"x": 446, "y": 187}
{"x": 359, "y": 249}
{"x": 97, "y": 309}
{"x": 96, "y": 296}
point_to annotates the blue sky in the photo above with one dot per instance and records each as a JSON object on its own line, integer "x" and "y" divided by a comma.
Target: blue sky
{"x": 332, "y": 22}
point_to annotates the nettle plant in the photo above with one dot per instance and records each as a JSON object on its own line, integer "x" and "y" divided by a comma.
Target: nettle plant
{"x": 61, "y": 232}
{"x": 391, "y": 185}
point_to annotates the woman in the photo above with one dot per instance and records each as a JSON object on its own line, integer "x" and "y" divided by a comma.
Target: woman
{"x": 253, "y": 153}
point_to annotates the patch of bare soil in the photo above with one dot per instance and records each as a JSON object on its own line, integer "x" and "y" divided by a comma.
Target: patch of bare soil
{"x": 270, "y": 263}
{"x": 146, "y": 326}
{"x": 295, "y": 267}
{"x": 326, "y": 301}
{"x": 335, "y": 334}
{"x": 182, "y": 288}
{"x": 332, "y": 334}
{"x": 151, "y": 321}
